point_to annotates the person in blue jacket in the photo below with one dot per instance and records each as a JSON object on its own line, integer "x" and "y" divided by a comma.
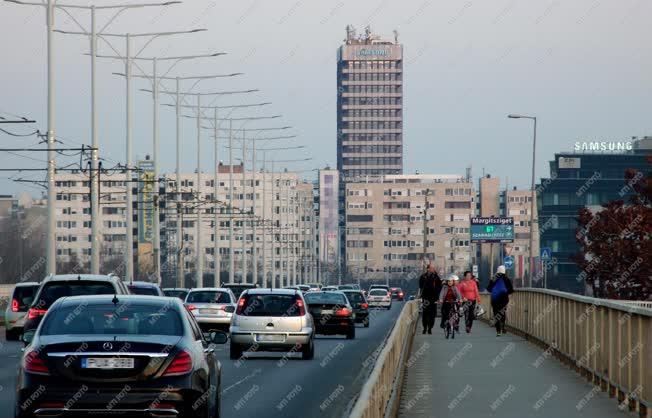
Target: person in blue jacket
{"x": 500, "y": 287}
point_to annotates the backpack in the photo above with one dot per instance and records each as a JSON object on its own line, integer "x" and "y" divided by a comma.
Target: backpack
{"x": 499, "y": 289}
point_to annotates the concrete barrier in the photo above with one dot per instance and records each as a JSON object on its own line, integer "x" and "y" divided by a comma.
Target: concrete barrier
{"x": 380, "y": 395}
{"x": 606, "y": 341}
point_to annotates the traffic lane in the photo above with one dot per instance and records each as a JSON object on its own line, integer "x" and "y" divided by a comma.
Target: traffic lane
{"x": 10, "y": 352}
{"x": 281, "y": 385}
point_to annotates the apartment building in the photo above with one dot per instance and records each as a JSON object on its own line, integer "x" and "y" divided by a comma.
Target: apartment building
{"x": 276, "y": 226}
{"x": 393, "y": 222}
{"x": 73, "y": 218}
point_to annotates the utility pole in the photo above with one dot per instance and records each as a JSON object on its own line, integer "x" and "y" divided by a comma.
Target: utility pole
{"x": 216, "y": 208}
{"x": 254, "y": 223}
{"x": 243, "y": 206}
{"x": 231, "y": 252}
{"x": 200, "y": 255}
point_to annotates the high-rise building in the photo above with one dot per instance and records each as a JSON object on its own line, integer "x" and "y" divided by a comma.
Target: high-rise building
{"x": 369, "y": 106}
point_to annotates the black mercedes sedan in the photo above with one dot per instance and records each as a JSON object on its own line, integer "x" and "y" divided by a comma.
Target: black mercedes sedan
{"x": 332, "y": 313}
{"x": 127, "y": 355}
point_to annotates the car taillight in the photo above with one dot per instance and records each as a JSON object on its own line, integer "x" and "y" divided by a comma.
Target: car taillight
{"x": 14, "y": 305}
{"x": 400, "y": 294}
{"x": 301, "y": 306}
{"x": 364, "y": 305}
{"x": 191, "y": 307}
{"x": 343, "y": 312}
{"x": 34, "y": 313}
{"x": 181, "y": 364}
{"x": 33, "y": 363}
{"x": 241, "y": 304}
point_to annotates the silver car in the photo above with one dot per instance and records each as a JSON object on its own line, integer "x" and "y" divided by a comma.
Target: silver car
{"x": 272, "y": 320}
{"x": 212, "y": 307}
{"x": 16, "y": 313}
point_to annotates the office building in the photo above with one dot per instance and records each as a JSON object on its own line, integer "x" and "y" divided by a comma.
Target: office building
{"x": 590, "y": 176}
{"x": 369, "y": 106}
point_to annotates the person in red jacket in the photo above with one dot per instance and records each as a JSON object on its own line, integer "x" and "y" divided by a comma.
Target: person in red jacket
{"x": 471, "y": 296}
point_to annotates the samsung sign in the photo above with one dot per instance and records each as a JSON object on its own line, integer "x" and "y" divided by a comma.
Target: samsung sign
{"x": 604, "y": 146}
{"x": 370, "y": 52}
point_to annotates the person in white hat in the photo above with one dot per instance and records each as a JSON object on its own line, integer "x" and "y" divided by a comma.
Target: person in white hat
{"x": 500, "y": 287}
{"x": 449, "y": 295}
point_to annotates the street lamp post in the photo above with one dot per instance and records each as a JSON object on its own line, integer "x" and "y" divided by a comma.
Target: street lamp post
{"x": 532, "y": 191}
{"x": 50, "y": 7}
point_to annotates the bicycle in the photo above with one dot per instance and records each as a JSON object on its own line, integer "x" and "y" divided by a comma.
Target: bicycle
{"x": 453, "y": 321}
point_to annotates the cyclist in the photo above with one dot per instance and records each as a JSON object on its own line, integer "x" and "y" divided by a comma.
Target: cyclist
{"x": 449, "y": 296}
{"x": 470, "y": 295}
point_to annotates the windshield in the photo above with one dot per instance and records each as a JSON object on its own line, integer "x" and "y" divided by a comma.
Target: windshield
{"x": 143, "y": 290}
{"x": 110, "y": 319}
{"x": 208, "y": 296}
{"x": 24, "y": 295}
{"x": 378, "y": 292}
{"x": 323, "y": 297}
{"x": 238, "y": 289}
{"x": 54, "y": 290}
{"x": 354, "y": 297}
{"x": 270, "y": 305}
{"x": 181, "y": 294}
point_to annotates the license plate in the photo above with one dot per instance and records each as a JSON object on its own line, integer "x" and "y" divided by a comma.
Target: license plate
{"x": 210, "y": 311}
{"x": 270, "y": 337}
{"x": 107, "y": 363}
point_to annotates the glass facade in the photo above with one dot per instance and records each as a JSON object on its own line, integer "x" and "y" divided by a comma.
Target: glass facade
{"x": 576, "y": 181}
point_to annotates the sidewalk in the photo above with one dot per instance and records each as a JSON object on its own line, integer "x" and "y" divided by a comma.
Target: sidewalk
{"x": 481, "y": 375}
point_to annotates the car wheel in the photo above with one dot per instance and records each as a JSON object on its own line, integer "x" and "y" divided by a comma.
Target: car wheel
{"x": 235, "y": 351}
{"x": 350, "y": 334}
{"x": 366, "y": 322}
{"x": 11, "y": 335}
{"x": 308, "y": 351}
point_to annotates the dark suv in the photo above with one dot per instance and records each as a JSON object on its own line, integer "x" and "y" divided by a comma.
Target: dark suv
{"x": 61, "y": 285}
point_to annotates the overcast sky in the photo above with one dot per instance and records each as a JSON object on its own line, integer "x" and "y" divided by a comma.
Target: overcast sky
{"x": 584, "y": 67}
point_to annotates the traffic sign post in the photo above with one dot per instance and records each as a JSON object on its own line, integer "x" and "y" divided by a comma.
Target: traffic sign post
{"x": 508, "y": 261}
{"x": 497, "y": 229}
{"x": 546, "y": 253}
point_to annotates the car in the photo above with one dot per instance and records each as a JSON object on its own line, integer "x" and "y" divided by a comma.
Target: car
{"x": 360, "y": 306}
{"x": 54, "y": 287}
{"x": 212, "y": 307}
{"x": 314, "y": 287}
{"x": 130, "y": 355}
{"x": 272, "y": 320}
{"x": 144, "y": 288}
{"x": 176, "y": 292}
{"x": 304, "y": 288}
{"x": 329, "y": 289}
{"x": 379, "y": 286}
{"x": 397, "y": 293}
{"x": 379, "y": 298}
{"x": 16, "y": 313}
{"x": 345, "y": 287}
{"x": 332, "y": 313}
{"x": 238, "y": 288}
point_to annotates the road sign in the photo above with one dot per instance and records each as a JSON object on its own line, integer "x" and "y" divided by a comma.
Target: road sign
{"x": 508, "y": 261}
{"x": 498, "y": 229}
{"x": 546, "y": 253}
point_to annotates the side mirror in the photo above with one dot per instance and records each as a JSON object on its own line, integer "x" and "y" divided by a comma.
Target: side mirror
{"x": 28, "y": 336}
{"x": 216, "y": 337}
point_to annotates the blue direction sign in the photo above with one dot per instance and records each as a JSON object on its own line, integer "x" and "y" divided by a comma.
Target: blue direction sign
{"x": 546, "y": 253}
{"x": 508, "y": 261}
{"x": 498, "y": 229}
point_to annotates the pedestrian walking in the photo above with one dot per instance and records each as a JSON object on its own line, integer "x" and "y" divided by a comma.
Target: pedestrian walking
{"x": 470, "y": 296}
{"x": 500, "y": 287}
{"x": 429, "y": 287}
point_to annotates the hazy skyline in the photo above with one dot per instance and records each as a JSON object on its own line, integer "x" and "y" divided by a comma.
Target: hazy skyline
{"x": 583, "y": 69}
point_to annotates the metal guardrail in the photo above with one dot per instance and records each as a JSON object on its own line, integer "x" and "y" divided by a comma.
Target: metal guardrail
{"x": 606, "y": 341}
{"x": 379, "y": 395}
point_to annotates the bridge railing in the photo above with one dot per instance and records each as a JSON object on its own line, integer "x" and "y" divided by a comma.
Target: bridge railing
{"x": 379, "y": 396}
{"x": 608, "y": 342}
